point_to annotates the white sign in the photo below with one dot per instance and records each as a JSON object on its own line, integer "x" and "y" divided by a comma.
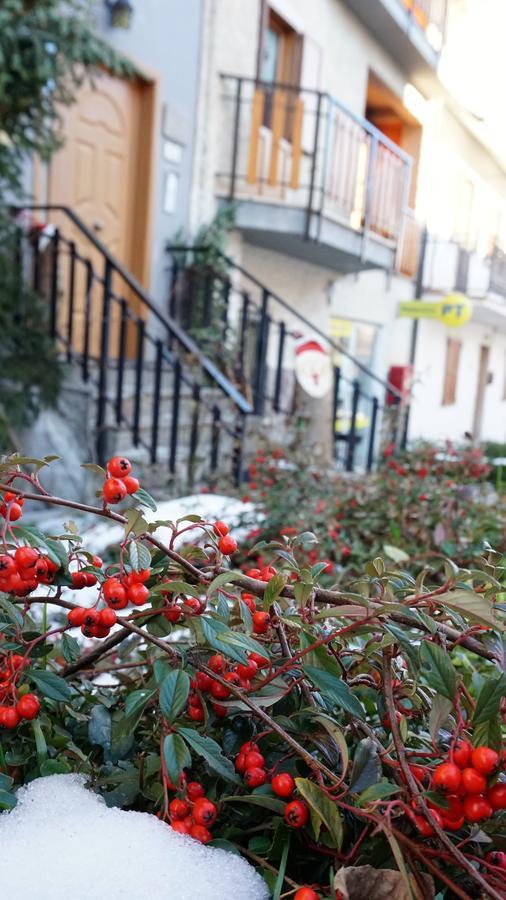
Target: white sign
{"x": 313, "y": 368}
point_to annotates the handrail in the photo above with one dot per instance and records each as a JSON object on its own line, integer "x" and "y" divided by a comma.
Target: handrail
{"x": 334, "y": 344}
{"x": 298, "y": 89}
{"x": 170, "y": 324}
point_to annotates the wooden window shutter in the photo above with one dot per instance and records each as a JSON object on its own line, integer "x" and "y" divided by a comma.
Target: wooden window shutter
{"x": 453, "y": 349}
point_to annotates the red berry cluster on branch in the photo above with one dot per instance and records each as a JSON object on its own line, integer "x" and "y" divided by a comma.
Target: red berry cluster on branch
{"x": 192, "y": 813}
{"x": 119, "y": 482}
{"x": 16, "y": 702}
{"x": 23, "y": 571}
{"x": 203, "y": 684}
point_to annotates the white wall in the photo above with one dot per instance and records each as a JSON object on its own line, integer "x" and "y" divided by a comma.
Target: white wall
{"x": 429, "y": 418}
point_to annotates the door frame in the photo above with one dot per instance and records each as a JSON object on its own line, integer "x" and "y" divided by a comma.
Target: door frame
{"x": 149, "y": 81}
{"x": 481, "y": 387}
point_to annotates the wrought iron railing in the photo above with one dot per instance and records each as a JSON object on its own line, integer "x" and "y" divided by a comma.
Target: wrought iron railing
{"x": 144, "y": 366}
{"x": 255, "y": 332}
{"x": 303, "y": 149}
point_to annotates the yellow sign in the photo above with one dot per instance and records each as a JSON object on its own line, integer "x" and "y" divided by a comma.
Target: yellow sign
{"x": 340, "y": 328}
{"x": 453, "y": 310}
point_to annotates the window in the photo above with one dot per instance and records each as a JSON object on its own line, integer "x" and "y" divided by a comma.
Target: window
{"x": 453, "y": 348}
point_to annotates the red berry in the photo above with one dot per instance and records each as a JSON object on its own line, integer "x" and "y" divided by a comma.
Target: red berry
{"x": 424, "y": 827}
{"x": 261, "y": 661}
{"x": 219, "y": 691}
{"x": 107, "y": 617}
{"x": 305, "y": 893}
{"x": 114, "y": 594}
{"x": 254, "y": 760}
{"x": 41, "y": 568}
{"x": 261, "y": 622}
{"x": 204, "y": 682}
{"x": 496, "y": 796}
{"x": 28, "y": 706}
{"x": 447, "y": 777}
{"x": 100, "y": 630}
{"x": 76, "y": 616}
{"x": 138, "y": 594}
{"x": 194, "y": 790}
{"x": 462, "y": 754}
{"x": 132, "y": 484}
{"x": 232, "y": 678}
{"x": 485, "y": 760}
{"x": 220, "y": 529}
{"x": 283, "y": 785}
{"x": 216, "y": 663}
{"x": 240, "y": 763}
{"x": 26, "y": 557}
{"x": 473, "y": 782}
{"x": 140, "y": 577}
{"x": 97, "y": 562}
{"x": 253, "y": 573}
{"x": 220, "y": 711}
{"x": 204, "y": 812}
{"x": 10, "y": 717}
{"x": 247, "y": 672}
{"x": 496, "y": 858}
{"x": 78, "y": 580}
{"x": 114, "y": 490}
{"x": 248, "y": 747}
{"x": 17, "y": 662}
{"x": 12, "y": 513}
{"x": 119, "y": 466}
{"x": 296, "y": 813}
{"x": 200, "y": 833}
{"x": 180, "y": 827}
{"x": 196, "y": 713}
{"x": 227, "y": 545}
{"x": 255, "y": 777}
{"x": 7, "y": 565}
{"x": 476, "y": 808}
{"x": 179, "y": 809}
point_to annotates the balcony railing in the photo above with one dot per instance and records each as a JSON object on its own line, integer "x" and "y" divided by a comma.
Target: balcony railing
{"x": 430, "y": 16}
{"x": 304, "y": 150}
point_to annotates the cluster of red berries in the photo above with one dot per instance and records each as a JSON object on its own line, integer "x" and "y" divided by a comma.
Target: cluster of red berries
{"x": 16, "y": 704}
{"x": 120, "y": 590}
{"x": 226, "y": 543}
{"x": 11, "y": 507}
{"x": 261, "y": 619}
{"x": 119, "y": 481}
{"x": 240, "y": 675}
{"x": 93, "y": 622}
{"x": 23, "y": 571}
{"x": 82, "y": 579}
{"x": 465, "y": 779}
{"x": 250, "y": 763}
{"x": 305, "y": 893}
{"x": 194, "y": 814}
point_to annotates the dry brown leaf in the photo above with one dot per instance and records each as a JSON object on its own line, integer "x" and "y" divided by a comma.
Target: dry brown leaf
{"x": 359, "y": 882}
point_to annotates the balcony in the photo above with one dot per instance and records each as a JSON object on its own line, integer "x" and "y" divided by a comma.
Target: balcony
{"x": 450, "y": 267}
{"x": 412, "y": 31}
{"x": 310, "y": 179}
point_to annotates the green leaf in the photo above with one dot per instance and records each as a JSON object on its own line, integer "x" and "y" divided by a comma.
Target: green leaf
{"x": 440, "y": 709}
{"x": 220, "y": 580}
{"x": 100, "y": 727}
{"x": 136, "y": 701}
{"x": 438, "y": 669}
{"x": 40, "y": 741}
{"x": 476, "y": 607}
{"x": 7, "y": 801}
{"x": 70, "y": 648}
{"x": 489, "y": 699}
{"x": 395, "y": 553}
{"x": 273, "y": 589}
{"x": 6, "y": 782}
{"x": 339, "y": 738}
{"x": 51, "y": 685}
{"x": 336, "y": 691}
{"x": 12, "y": 613}
{"x": 211, "y": 752}
{"x": 366, "y": 769}
{"x": 139, "y": 556}
{"x": 278, "y": 887}
{"x": 136, "y": 523}
{"x": 146, "y": 499}
{"x": 324, "y": 808}
{"x": 176, "y": 756}
{"x": 377, "y": 792}
{"x": 174, "y": 692}
{"x": 54, "y": 767}
{"x": 488, "y": 734}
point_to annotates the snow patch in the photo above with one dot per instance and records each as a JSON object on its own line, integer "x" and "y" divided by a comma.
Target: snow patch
{"x": 61, "y": 841}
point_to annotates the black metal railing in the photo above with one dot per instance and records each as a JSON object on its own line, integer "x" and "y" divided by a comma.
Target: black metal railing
{"x": 153, "y": 384}
{"x": 304, "y": 150}
{"x": 253, "y": 332}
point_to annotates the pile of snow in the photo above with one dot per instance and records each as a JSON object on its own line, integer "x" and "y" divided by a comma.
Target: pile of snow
{"x": 61, "y": 841}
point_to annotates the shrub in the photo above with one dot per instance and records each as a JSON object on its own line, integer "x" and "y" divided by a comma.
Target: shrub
{"x": 322, "y": 732}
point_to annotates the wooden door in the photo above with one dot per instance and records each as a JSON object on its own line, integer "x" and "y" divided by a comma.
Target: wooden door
{"x": 100, "y": 174}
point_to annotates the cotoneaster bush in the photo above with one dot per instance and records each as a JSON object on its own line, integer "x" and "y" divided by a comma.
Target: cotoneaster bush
{"x": 418, "y": 506}
{"x": 326, "y": 734}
